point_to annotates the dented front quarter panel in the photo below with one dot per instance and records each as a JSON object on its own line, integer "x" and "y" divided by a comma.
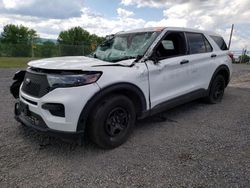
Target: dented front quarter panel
{"x": 136, "y": 75}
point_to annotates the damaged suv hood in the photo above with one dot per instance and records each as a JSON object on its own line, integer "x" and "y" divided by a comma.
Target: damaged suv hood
{"x": 75, "y": 63}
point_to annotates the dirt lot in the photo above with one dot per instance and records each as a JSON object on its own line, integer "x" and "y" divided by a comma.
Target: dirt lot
{"x": 195, "y": 145}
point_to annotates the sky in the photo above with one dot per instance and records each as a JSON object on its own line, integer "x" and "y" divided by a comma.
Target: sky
{"x": 102, "y": 17}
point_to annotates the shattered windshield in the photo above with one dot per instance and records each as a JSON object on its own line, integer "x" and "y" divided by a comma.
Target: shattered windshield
{"x": 125, "y": 46}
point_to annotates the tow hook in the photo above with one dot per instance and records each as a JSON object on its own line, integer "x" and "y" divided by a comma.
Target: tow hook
{"x": 17, "y": 109}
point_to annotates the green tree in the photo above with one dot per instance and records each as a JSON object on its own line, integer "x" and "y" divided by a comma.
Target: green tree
{"x": 95, "y": 41}
{"x": 1, "y": 50}
{"x": 72, "y": 41}
{"x": 74, "y": 36}
{"x": 48, "y": 49}
{"x": 77, "y": 41}
{"x": 244, "y": 58}
{"x": 18, "y": 40}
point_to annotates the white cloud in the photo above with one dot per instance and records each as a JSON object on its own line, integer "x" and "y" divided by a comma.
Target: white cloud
{"x": 144, "y": 3}
{"x": 127, "y": 2}
{"x": 43, "y": 8}
{"x": 170, "y": 22}
{"x": 216, "y": 15}
{"x": 9, "y": 4}
{"x": 50, "y": 28}
{"x": 15, "y": 4}
{"x": 124, "y": 13}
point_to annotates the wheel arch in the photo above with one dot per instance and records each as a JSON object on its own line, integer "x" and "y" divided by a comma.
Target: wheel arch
{"x": 222, "y": 70}
{"x": 132, "y": 91}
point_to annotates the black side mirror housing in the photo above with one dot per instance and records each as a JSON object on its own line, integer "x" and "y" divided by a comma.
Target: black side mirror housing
{"x": 154, "y": 58}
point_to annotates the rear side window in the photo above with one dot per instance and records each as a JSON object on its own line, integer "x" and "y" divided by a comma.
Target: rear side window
{"x": 220, "y": 42}
{"x": 196, "y": 43}
{"x": 208, "y": 45}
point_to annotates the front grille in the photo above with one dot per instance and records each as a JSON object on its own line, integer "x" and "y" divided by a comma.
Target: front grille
{"x": 35, "y": 85}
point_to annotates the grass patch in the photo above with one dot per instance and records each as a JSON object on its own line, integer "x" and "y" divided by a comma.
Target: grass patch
{"x": 14, "y": 62}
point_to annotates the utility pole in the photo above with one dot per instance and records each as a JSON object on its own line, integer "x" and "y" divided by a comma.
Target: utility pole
{"x": 231, "y": 34}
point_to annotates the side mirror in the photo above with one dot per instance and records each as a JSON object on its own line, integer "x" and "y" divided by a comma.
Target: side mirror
{"x": 109, "y": 37}
{"x": 138, "y": 58}
{"x": 154, "y": 58}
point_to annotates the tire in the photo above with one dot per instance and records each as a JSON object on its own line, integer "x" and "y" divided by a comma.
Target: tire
{"x": 112, "y": 121}
{"x": 216, "y": 91}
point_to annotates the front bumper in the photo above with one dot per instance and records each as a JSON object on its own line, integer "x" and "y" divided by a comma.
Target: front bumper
{"x": 35, "y": 122}
{"x": 73, "y": 99}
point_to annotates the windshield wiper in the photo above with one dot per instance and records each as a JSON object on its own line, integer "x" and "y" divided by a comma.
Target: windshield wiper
{"x": 123, "y": 58}
{"x": 137, "y": 58}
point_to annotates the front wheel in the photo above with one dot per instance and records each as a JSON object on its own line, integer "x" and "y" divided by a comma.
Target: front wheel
{"x": 112, "y": 121}
{"x": 216, "y": 90}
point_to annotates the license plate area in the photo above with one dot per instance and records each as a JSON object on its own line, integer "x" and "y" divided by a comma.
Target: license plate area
{"x": 24, "y": 108}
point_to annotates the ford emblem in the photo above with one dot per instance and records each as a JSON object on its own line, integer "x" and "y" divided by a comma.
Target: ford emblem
{"x": 27, "y": 81}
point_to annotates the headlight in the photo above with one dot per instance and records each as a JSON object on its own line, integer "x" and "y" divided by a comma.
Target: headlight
{"x": 56, "y": 80}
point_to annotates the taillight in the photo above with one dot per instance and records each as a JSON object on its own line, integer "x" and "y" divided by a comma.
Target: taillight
{"x": 231, "y": 55}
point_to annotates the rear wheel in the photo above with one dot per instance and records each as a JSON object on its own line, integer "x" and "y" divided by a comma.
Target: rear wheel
{"x": 112, "y": 121}
{"x": 216, "y": 90}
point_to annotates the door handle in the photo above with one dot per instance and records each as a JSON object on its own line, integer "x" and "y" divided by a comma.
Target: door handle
{"x": 213, "y": 55}
{"x": 184, "y": 61}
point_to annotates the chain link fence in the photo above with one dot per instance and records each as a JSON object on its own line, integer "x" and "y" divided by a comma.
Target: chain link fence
{"x": 241, "y": 56}
{"x": 51, "y": 49}
{"x": 48, "y": 49}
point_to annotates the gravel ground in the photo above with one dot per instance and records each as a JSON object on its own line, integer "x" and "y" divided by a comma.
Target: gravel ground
{"x": 194, "y": 145}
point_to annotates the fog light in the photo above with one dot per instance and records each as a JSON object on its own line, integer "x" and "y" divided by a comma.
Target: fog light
{"x": 55, "y": 109}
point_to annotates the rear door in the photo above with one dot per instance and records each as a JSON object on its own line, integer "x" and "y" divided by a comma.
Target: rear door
{"x": 201, "y": 58}
{"x": 222, "y": 51}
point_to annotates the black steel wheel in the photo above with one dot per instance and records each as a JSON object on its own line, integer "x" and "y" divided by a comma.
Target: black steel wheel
{"x": 117, "y": 121}
{"x": 112, "y": 121}
{"x": 216, "y": 90}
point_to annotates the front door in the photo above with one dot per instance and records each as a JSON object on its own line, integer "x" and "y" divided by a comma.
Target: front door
{"x": 169, "y": 75}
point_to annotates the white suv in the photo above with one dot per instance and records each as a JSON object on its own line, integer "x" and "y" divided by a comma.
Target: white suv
{"x": 132, "y": 75}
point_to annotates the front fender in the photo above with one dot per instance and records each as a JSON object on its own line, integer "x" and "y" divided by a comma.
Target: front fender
{"x": 114, "y": 88}
{"x": 15, "y": 87}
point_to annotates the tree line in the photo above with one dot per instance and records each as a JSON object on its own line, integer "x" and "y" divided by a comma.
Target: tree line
{"x": 21, "y": 41}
